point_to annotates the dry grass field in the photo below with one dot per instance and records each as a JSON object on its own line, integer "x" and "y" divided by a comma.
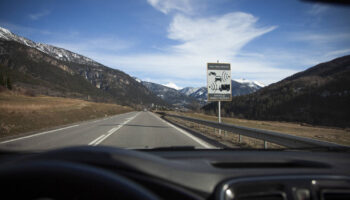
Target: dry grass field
{"x": 335, "y": 135}
{"x": 20, "y": 114}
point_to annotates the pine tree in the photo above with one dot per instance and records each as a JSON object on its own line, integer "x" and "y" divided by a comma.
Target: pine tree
{"x": 9, "y": 83}
{"x": 2, "y": 79}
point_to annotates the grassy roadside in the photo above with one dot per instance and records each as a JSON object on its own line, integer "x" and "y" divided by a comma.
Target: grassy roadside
{"x": 335, "y": 135}
{"x": 20, "y": 114}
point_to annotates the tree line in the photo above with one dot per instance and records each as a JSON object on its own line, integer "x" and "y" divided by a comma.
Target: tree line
{"x": 5, "y": 81}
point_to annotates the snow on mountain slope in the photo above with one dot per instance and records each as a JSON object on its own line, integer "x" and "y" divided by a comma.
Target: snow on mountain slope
{"x": 239, "y": 87}
{"x": 249, "y": 83}
{"x": 137, "y": 79}
{"x": 171, "y": 95}
{"x": 201, "y": 94}
{"x": 172, "y": 85}
{"x": 188, "y": 90}
{"x": 56, "y": 52}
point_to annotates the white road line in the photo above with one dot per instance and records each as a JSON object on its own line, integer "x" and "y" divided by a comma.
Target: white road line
{"x": 42, "y": 133}
{"x": 110, "y": 132}
{"x": 199, "y": 141}
{"x": 91, "y": 143}
{"x": 114, "y": 129}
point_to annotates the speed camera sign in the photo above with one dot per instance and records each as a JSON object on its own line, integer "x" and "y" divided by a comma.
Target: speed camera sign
{"x": 219, "y": 81}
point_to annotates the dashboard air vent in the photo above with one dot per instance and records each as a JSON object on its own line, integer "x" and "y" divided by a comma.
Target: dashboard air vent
{"x": 263, "y": 196}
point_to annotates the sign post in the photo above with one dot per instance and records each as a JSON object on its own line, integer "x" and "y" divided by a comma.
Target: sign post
{"x": 219, "y": 84}
{"x": 219, "y": 111}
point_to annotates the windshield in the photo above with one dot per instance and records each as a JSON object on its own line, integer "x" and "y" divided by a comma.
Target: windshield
{"x": 174, "y": 74}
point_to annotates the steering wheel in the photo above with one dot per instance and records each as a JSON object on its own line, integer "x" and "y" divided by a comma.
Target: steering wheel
{"x": 66, "y": 180}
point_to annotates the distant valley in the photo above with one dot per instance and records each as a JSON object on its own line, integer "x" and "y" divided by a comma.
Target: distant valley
{"x": 239, "y": 87}
{"x": 49, "y": 70}
{"x": 194, "y": 98}
{"x": 319, "y": 95}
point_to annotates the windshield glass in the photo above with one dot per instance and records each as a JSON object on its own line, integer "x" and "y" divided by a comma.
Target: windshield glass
{"x": 177, "y": 74}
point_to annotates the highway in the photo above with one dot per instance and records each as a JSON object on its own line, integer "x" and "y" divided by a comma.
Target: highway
{"x": 129, "y": 130}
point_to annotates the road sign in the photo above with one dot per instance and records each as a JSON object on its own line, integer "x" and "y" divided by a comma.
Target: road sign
{"x": 219, "y": 82}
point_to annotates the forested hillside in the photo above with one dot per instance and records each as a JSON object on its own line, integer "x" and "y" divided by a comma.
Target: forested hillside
{"x": 319, "y": 95}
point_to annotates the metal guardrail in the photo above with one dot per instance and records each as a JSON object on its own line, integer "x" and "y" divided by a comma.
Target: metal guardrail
{"x": 283, "y": 139}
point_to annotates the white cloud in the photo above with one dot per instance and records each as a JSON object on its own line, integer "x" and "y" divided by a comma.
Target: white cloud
{"x": 23, "y": 30}
{"x": 172, "y": 85}
{"x": 166, "y": 6}
{"x": 317, "y": 9}
{"x": 36, "y": 16}
{"x": 201, "y": 40}
{"x": 321, "y": 47}
{"x": 106, "y": 45}
{"x": 338, "y": 53}
{"x": 214, "y": 37}
{"x": 321, "y": 38}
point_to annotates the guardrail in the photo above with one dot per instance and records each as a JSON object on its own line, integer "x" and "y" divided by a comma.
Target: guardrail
{"x": 282, "y": 139}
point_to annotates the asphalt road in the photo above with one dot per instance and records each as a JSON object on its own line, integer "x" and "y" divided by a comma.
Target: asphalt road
{"x": 128, "y": 130}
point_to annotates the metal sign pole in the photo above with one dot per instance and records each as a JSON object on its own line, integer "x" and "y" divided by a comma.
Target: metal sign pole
{"x": 219, "y": 107}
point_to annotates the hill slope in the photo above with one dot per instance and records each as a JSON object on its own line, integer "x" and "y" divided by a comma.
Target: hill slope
{"x": 57, "y": 72}
{"x": 319, "y": 95}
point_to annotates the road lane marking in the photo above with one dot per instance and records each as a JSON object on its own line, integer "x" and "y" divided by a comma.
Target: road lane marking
{"x": 42, "y": 133}
{"x": 114, "y": 129}
{"x": 92, "y": 143}
{"x": 110, "y": 132}
{"x": 199, "y": 141}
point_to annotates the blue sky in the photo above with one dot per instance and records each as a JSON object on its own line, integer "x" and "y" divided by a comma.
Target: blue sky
{"x": 170, "y": 41}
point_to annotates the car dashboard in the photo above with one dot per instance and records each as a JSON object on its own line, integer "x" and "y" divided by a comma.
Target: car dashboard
{"x": 222, "y": 174}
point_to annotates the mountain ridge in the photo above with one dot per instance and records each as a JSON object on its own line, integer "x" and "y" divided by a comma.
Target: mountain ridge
{"x": 172, "y": 96}
{"x": 57, "y": 52}
{"x": 36, "y": 67}
{"x": 238, "y": 88}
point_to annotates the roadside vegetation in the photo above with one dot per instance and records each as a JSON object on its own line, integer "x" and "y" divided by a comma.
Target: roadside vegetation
{"x": 335, "y": 135}
{"x": 22, "y": 112}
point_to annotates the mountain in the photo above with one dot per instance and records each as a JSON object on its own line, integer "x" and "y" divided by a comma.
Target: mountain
{"x": 239, "y": 87}
{"x": 172, "y": 85}
{"x": 319, "y": 95}
{"x": 56, "y": 52}
{"x": 201, "y": 94}
{"x": 242, "y": 87}
{"x": 54, "y": 71}
{"x": 171, "y": 96}
{"x": 188, "y": 90}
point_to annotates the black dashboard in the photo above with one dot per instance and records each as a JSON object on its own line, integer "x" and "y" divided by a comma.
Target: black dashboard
{"x": 206, "y": 174}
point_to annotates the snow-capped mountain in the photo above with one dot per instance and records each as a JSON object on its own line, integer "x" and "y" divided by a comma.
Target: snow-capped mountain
{"x": 250, "y": 83}
{"x": 170, "y": 95}
{"x": 56, "y": 52}
{"x": 137, "y": 79}
{"x": 239, "y": 87}
{"x": 53, "y": 71}
{"x": 201, "y": 94}
{"x": 188, "y": 90}
{"x": 172, "y": 85}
